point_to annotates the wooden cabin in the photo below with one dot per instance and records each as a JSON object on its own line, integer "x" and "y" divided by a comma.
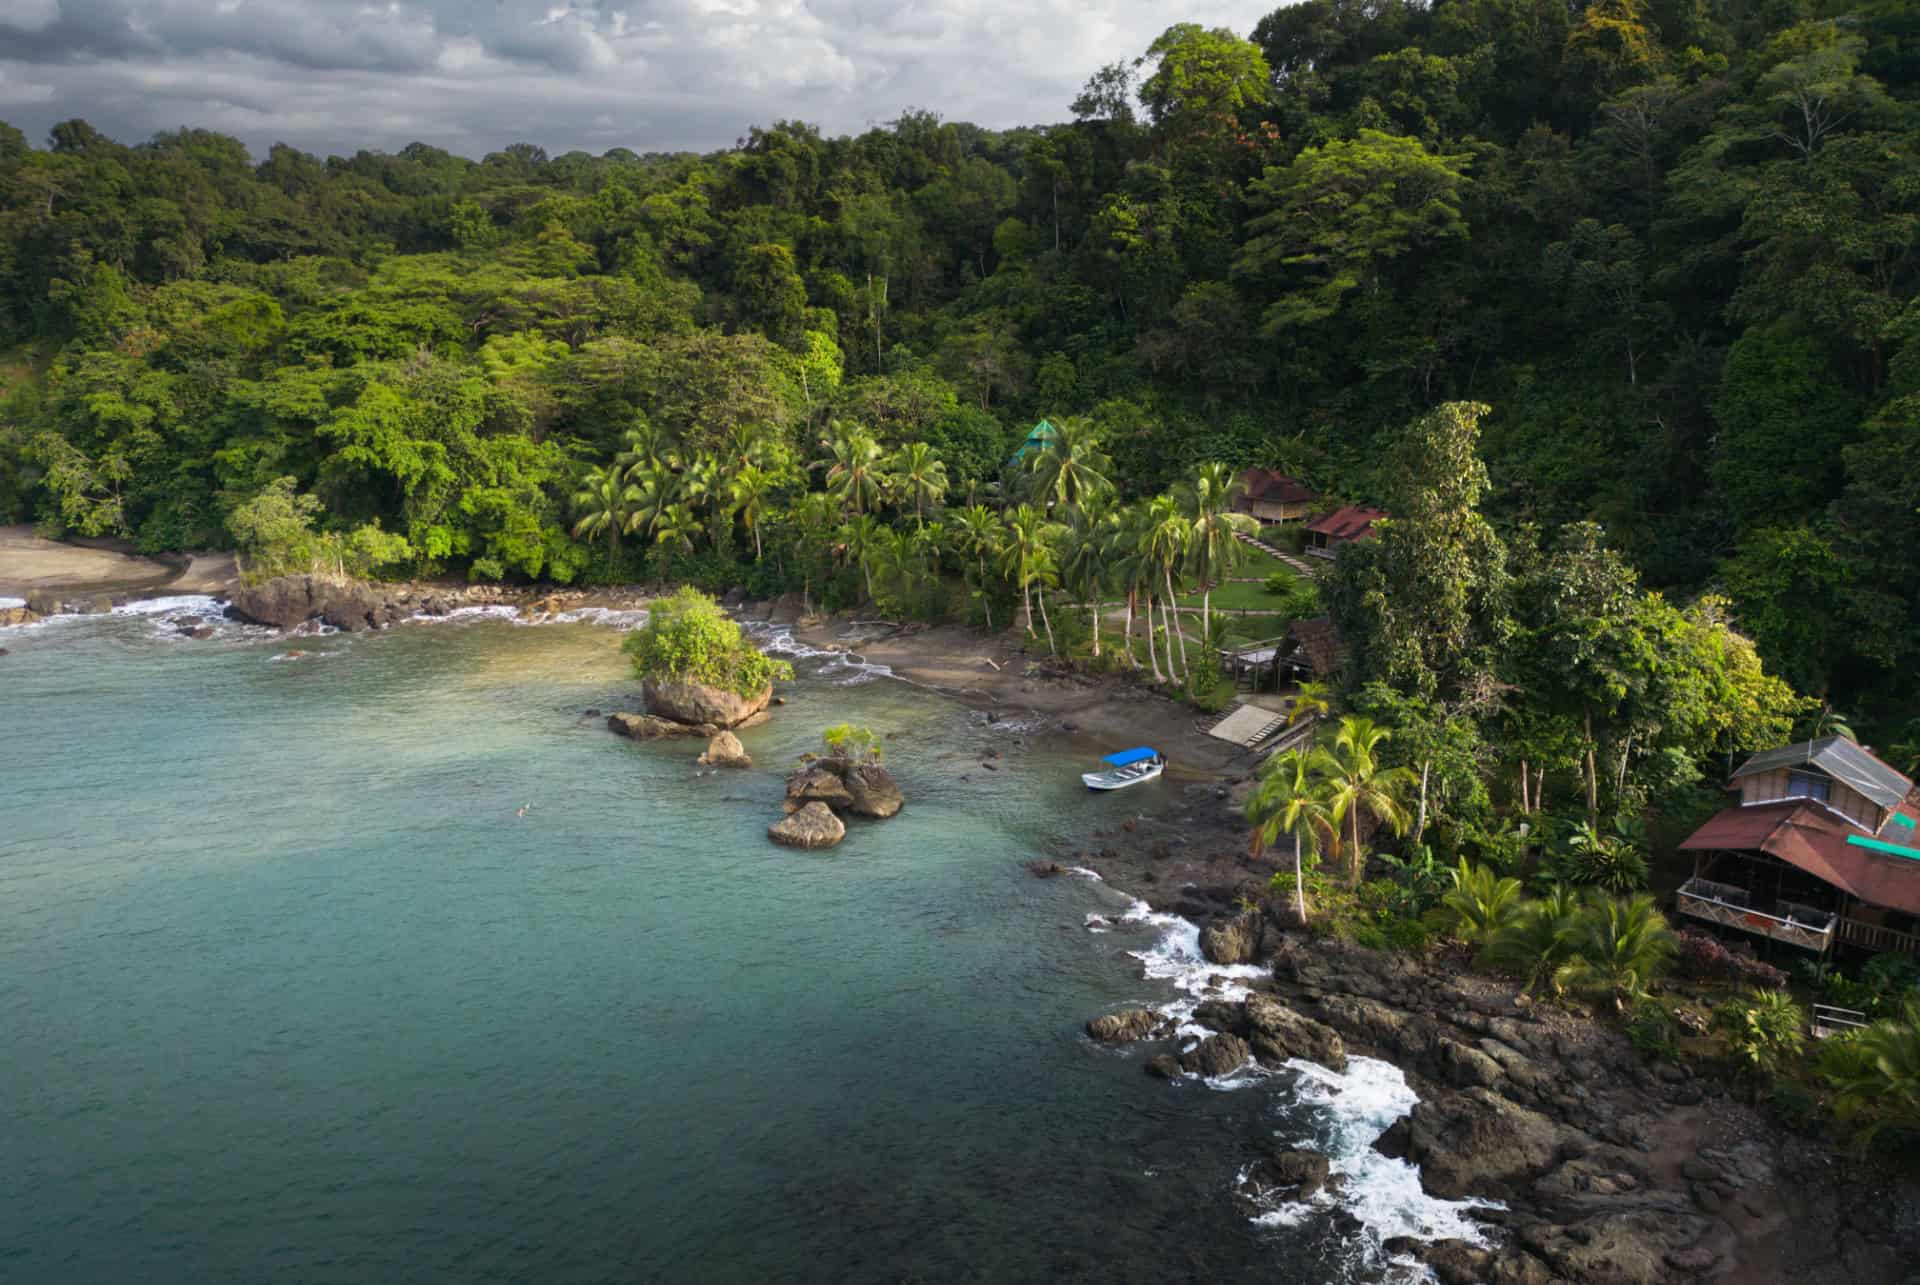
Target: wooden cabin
{"x": 1272, "y": 497}
{"x": 1326, "y": 534}
{"x": 1820, "y": 851}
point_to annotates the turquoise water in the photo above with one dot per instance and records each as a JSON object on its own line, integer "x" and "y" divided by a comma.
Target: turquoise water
{"x": 292, "y": 991}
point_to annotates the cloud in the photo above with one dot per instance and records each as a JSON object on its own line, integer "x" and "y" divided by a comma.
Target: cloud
{"x": 334, "y": 76}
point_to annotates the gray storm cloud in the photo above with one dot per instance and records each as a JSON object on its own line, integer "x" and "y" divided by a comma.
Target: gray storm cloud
{"x": 333, "y": 76}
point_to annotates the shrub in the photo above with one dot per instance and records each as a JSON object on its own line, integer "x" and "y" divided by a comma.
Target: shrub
{"x": 1761, "y": 1033}
{"x": 687, "y": 638}
{"x": 1538, "y": 941}
{"x": 1407, "y": 934}
{"x": 1651, "y": 1032}
{"x": 1790, "y": 1101}
{"x": 855, "y": 744}
{"x": 1481, "y": 901}
{"x": 1372, "y": 936}
{"x": 1620, "y": 944}
{"x": 1876, "y": 1074}
{"x": 1703, "y": 957}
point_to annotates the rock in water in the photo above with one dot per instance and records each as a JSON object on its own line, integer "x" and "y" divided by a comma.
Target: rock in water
{"x": 283, "y": 602}
{"x": 725, "y": 750}
{"x": 1279, "y": 1033}
{"x": 1232, "y": 941}
{"x": 814, "y": 826}
{"x": 818, "y": 785}
{"x": 1291, "y": 1175}
{"x": 17, "y": 616}
{"x": 1218, "y": 1055}
{"x": 873, "y": 791}
{"x": 43, "y": 602}
{"x": 688, "y": 702}
{"x": 1164, "y": 1066}
{"x": 200, "y": 633}
{"x": 645, "y": 727}
{"x": 1126, "y": 1025}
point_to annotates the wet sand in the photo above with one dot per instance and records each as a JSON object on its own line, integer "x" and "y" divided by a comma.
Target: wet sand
{"x": 28, "y": 562}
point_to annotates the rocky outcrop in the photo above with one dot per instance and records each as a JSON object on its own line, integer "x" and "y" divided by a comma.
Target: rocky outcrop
{"x": 815, "y": 784}
{"x": 1217, "y": 1055}
{"x": 645, "y": 727}
{"x": 286, "y": 602}
{"x": 873, "y": 791}
{"x": 17, "y": 616}
{"x": 813, "y": 826}
{"x": 1127, "y": 1025}
{"x": 1277, "y": 1033}
{"x": 725, "y": 750}
{"x": 1233, "y": 941}
{"x": 1288, "y": 1175}
{"x": 697, "y": 703}
{"x": 1477, "y": 1143}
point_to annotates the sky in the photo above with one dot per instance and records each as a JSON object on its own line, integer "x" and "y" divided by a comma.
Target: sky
{"x": 334, "y": 76}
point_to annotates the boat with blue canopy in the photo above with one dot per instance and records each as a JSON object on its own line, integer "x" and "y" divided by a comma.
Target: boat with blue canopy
{"x": 1127, "y": 767}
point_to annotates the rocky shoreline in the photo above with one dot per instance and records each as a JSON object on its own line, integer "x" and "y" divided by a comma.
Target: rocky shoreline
{"x": 1610, "y": 1169}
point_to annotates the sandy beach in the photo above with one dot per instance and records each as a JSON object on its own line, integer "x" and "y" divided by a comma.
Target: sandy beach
{"x": 29, "y": 562}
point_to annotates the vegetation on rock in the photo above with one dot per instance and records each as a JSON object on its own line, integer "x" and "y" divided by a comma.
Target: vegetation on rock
{"x": 689, "y": 639}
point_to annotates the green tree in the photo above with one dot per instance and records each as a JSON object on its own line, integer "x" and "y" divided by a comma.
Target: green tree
{"x": 1357, "y": 782}
{"x": 1620, "y": 946}
{"x": 1213, "y": 545}
{"x": 1292, "y": 800}
{"x": 917, "y": 474}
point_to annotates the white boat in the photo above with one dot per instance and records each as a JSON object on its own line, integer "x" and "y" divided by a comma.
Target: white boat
{"x": 1128, "y": 767}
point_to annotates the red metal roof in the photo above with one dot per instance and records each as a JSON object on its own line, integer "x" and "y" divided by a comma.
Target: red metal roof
{"x": 1275, "y": 488}
{"x": 1350, "y": 523}
{"x": 1813, "y": 839}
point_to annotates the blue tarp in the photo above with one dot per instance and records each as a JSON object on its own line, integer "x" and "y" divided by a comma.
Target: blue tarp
{"x": 1125, "y": 757}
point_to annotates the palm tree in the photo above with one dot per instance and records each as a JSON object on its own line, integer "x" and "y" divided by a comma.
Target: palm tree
{"x": 861, "y": 536}
{"x": 1027, "y": 556}
{"x": 853, "y": 468}
{"x": 603, "y": 505}
{"x": 676, "y": 526}
{"x": 1619, "y": 945}
{"x": 1876, "y": 1073}
{"x": 917, "y": 472}
{"x": 1538, "y": 940}
{"x": 655, "y": 489}
{"x": 977, "y": 534}
{"x": 1313, "y": 700}
{"x": 1133, "y": 570}
{"x": 1083, "y": 557}
{"x": 813, "y": 517}
{"x": 1166, "y": 533}
{"x": 1483, "y": 903}
{"x": 1291, "y": 800}
{"x": 643, "y": 446}
{"x": 1357, "y": 783}
{"x": 749, "y": 491}
{"x": 1213, "y": 547}
{"x": 1072, "y": 467}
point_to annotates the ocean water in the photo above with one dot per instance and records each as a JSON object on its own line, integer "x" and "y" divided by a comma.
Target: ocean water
{"x": 389, "y": 962}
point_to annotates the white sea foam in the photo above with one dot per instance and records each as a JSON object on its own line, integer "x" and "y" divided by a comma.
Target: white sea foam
{"x": 6, "y": 603}
{"x": 1085, "y": 873}
{"x": 846, "y": 668}
{"x": 613, "y": 617}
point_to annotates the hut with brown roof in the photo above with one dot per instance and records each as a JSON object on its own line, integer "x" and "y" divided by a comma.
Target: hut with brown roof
{"x": 1326, "y": 534}
{"x": 1274, "y": 497}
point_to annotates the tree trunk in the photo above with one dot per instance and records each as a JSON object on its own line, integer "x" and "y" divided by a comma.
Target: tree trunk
{"x": 1593, "y": 775}
{"x": 1180, "y": 632}
{"x": 1153, "y": 657}
{"x": 1299, "y": 880}
{"x": 1353, "y": 862}
{"x": 1166, "y": 626}
{"x": 1420, "y": 824}
{"x": 1127, "y": 637}
{"x": 1206, "y": 611}
{"x": 1096, "y": 626}
{"x": 1044, "y": 621}
{"x": 1526, "y": 809}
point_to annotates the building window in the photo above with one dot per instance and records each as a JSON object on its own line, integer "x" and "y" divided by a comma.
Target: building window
{"x": 1807, "y": 785}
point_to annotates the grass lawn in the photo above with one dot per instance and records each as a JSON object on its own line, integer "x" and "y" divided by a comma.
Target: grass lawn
{"x": 1237, "y": 596}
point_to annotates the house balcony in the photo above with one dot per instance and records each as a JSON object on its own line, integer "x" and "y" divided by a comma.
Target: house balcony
{"x": 1732, "y": 907}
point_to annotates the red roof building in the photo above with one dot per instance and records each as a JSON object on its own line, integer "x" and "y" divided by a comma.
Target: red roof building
{"x": 1274, "y": 497}
{"x": 1326, "y": 534}
{"x": 1820, "y": 851}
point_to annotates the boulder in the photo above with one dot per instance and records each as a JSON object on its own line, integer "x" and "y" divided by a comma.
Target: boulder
{"x": 813, "y": 826}
{"x": 1278, "y": 1033}
{"x": 872, "y": 789}
{"x": 283, "y": 602}
{"x": 5, "y": 652}
{"x": 725, "y": 750}
{"x": 645, "y": 727}
{"x": 1126, "y": 1025}
{"x": 1164, "y": 1066}
{"x": 17, "y": 616}
{"x": 200, "y": 633}
{"x": 1232, "y": 941}
{"x": 1290, "y": 1174}
{"x": 1476, "y": 1143}
{"x": 43, "y": 602}
{"x": 352, "y": 608}
{"x": 689, "y": 702}
{"x": 817, "y": 784}
{"x": 1217, "y": 1055}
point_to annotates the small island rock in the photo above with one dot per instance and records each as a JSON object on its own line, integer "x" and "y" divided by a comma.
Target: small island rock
{"x": 645, "y": 727}
{"x": 1218, "y": 1055}
{"x": 725, "y": 750}
{"x": 818, "y": 784}
{"x": 873, "y": 791}
{"x": 691, "y": 702}
{"x": 1122, "y": 1027}
{"x": 813, "y": 826}
{"x": 17, "y": 616}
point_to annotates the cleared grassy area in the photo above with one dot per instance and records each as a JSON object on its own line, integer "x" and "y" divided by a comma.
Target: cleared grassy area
{"x": 1236, "y": 595}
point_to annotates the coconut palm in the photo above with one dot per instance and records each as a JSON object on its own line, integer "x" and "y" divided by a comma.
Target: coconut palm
{"x": 1358, "y": 783}
{"x": 1875, "y": 1073}
{"x": 915, "y": 473}
{"x": 1027, "y": 556}
{"x": 655, "y": 489}
{"x": 1619, "y": 945}
{"x": 977, "y": 534}
{"x": 1134, "y": 572}
{"x": 644, "y": 446}
{"x": 1083, "y": 557}
{"x": 1538, "y": 939}
{"x": 1166, "y": 531}
{"x": 853, "y": 468}
{"x": 861, "y": 538}
{"x": 1212, "y": 545}
{"x": 603, "y": 503}
{"x": 676, "y": 528}
{"x": 1312, "y": 700}
{"x": 1072, "y": 467}
{"x": 1290, "y": 799}
{"x": 750, "y": 492}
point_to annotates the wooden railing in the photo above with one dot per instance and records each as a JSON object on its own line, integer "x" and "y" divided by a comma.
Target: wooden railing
{"x": 1829, "y": 1020}
{"x": 1874, "y": 937}
{"x": 1725, "y": 905}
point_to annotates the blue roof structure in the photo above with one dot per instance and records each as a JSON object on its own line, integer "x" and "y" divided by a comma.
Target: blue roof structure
{"x": 1124, "y": 757}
